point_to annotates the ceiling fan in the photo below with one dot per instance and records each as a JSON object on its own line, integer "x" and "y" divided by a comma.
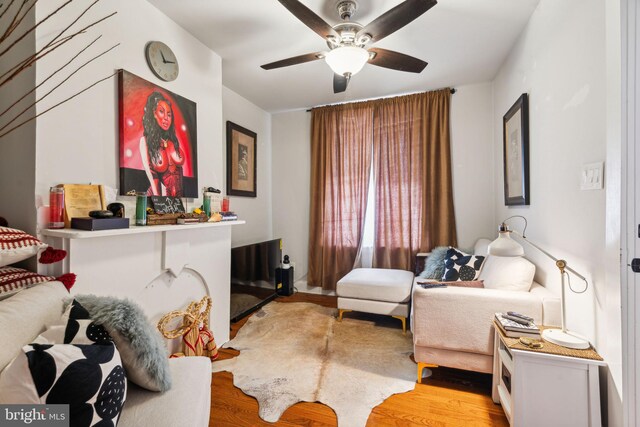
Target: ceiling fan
{"x": 348, "y": 40}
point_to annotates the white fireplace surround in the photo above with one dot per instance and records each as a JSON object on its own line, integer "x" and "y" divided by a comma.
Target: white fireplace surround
{"x": 162, "y": 268}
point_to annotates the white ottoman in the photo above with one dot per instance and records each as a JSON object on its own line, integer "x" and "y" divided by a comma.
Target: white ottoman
{"x": 376, "y": 290}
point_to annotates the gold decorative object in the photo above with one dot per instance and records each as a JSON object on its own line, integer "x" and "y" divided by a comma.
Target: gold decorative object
{"x": 531, "y": 343}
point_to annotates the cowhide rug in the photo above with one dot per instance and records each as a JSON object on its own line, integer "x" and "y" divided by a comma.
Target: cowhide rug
{"x": 293, "y": 352}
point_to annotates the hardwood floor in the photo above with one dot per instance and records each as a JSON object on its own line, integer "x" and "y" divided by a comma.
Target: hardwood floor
{"x": 449, "y": 398}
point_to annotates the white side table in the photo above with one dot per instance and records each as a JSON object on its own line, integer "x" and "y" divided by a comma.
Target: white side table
{"x": 546, "y": 386}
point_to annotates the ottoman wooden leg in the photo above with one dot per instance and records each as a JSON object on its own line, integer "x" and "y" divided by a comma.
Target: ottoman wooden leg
{"x": 422, "y": 367}
{"x": 341, "y": 311}
{"x": 404, "y": 323}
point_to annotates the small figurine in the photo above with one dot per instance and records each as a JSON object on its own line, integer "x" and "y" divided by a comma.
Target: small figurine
{"x": 215, "y": 217}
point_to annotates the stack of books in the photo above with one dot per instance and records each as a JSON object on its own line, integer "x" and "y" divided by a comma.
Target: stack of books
{"x": 229, "y": 216}
{"x": 521, "y": 327}
{"x": 187, "y": 221}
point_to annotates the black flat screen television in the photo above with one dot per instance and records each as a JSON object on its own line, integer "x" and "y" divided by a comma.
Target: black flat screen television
{"x": 253, "y": 270}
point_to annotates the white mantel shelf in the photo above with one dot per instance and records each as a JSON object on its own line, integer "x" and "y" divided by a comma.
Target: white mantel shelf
{"x": 71, "y": 233}
{"x": 161, "y": 267}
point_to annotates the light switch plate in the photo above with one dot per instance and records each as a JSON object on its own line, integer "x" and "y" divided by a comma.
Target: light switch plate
{"x": 592, "y": 176}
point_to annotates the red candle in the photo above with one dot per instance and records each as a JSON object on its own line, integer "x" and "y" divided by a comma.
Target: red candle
{"x": 56, "y": 207}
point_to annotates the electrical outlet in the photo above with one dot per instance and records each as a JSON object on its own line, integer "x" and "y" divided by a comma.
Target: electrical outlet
{"x": 592, "y": 176}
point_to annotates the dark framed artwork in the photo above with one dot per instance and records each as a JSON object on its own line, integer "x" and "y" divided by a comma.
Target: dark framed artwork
{"x": 158, "y": 139}
{"x": 516, "y": 153}
{"x": 241, "y": 161}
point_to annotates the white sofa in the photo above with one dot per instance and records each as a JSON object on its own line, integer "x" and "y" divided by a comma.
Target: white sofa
{"x": 452, "y": 326}
{"x": 25, "y": 315}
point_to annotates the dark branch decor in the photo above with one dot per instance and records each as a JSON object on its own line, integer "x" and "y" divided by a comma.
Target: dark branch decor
{"x": 11, "y": 35}
{"x": 516, "y": 153}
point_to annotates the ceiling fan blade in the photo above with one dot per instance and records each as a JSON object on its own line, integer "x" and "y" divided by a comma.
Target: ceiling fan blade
{"x": 396, "y": 18}
{"x": 396, "y": 60}
{"x": 339, "y": 83}
{"x": 301, "y": 59}
{"x": 309, "y": 18}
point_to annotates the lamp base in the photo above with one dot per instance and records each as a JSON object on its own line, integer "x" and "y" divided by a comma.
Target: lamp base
{"x": 564, "y": 339}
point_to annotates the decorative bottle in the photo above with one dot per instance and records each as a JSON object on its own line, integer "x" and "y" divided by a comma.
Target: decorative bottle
{"x": 141, "y": 209}
{"x": 56, "y": 207}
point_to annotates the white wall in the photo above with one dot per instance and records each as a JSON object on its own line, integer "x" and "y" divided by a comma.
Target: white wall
{"x": 256, "y": 211}
{"x": 78, "y": 141}
{"x": 560, "y": 61}
{"x": 609, "y": 322}
{"x": 291, "y": 185}
{"x": 472, "y": 155}
{"x": 17, "y": 149}
{"x": 473, "y": 172}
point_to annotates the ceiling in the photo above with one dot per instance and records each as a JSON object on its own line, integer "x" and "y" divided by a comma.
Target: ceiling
{"x": 464, "y": 41}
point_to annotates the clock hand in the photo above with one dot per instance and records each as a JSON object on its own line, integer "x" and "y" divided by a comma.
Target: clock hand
{"x": 163, "y": 59}
{"x": 169, "y": 62}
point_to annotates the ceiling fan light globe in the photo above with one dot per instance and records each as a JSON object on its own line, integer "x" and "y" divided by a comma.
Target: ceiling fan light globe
{"x": 347, "y": 59}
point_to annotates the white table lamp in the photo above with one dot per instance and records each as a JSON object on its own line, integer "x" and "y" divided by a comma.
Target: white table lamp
{"x": 504, "y": 245}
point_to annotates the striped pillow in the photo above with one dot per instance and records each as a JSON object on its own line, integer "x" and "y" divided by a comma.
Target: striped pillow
{"x": 16, "y": 245}
{"x": 14, "y": 280}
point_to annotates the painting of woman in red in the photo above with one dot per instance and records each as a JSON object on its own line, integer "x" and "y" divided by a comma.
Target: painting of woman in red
{"x": 157, "y": 140}
{"x": 160, "y": 150}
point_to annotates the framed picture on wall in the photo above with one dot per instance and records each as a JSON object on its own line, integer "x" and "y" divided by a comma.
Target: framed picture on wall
{"x": 241, "y": 161}
{"x": 516, "y": 153}
{"x": 158, "y": 139}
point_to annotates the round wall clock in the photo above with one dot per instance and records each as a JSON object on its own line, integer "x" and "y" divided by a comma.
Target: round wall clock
{"x": 162, "y": 61}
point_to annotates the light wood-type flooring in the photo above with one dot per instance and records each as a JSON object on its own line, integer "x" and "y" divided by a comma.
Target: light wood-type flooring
{"x": 449, "y": 398}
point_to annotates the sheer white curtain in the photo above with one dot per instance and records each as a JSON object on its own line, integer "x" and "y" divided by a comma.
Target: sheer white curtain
{"x": 365, "y": 252}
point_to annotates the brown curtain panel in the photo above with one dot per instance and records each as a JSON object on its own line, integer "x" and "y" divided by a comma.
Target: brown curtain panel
{"x": 341, "y": 152}
{"x": 413, "y": 186}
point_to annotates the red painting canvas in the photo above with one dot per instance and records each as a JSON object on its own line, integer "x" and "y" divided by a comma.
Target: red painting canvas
{"x": 158, "y": 140}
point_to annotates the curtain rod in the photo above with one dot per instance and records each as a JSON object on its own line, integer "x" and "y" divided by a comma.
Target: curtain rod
{"x": 452, "y": 90}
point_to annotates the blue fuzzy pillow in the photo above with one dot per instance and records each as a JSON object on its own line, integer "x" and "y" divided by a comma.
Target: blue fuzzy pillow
{"x": 142, "y": 349}
{"x": 434, "y": 266}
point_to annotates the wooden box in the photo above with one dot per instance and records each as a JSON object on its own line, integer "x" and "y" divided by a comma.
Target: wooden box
{"x": 168, "y": 219}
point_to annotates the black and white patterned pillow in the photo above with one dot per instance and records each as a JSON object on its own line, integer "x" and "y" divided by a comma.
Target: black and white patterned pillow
{"x": 81, "y": 329}
{"x": 89, "y": 378}
{"x": 78, "y": 329}
{"x": 460, "y": 266}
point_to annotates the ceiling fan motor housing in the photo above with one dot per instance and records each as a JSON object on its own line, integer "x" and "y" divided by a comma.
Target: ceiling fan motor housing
{"x": 346, "y": 9}
{"x": 347, "y": 35}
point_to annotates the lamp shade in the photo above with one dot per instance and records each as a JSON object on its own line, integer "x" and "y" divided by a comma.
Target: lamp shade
{"x": 347, "y": 59}
{"x": 504, "y": 245}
